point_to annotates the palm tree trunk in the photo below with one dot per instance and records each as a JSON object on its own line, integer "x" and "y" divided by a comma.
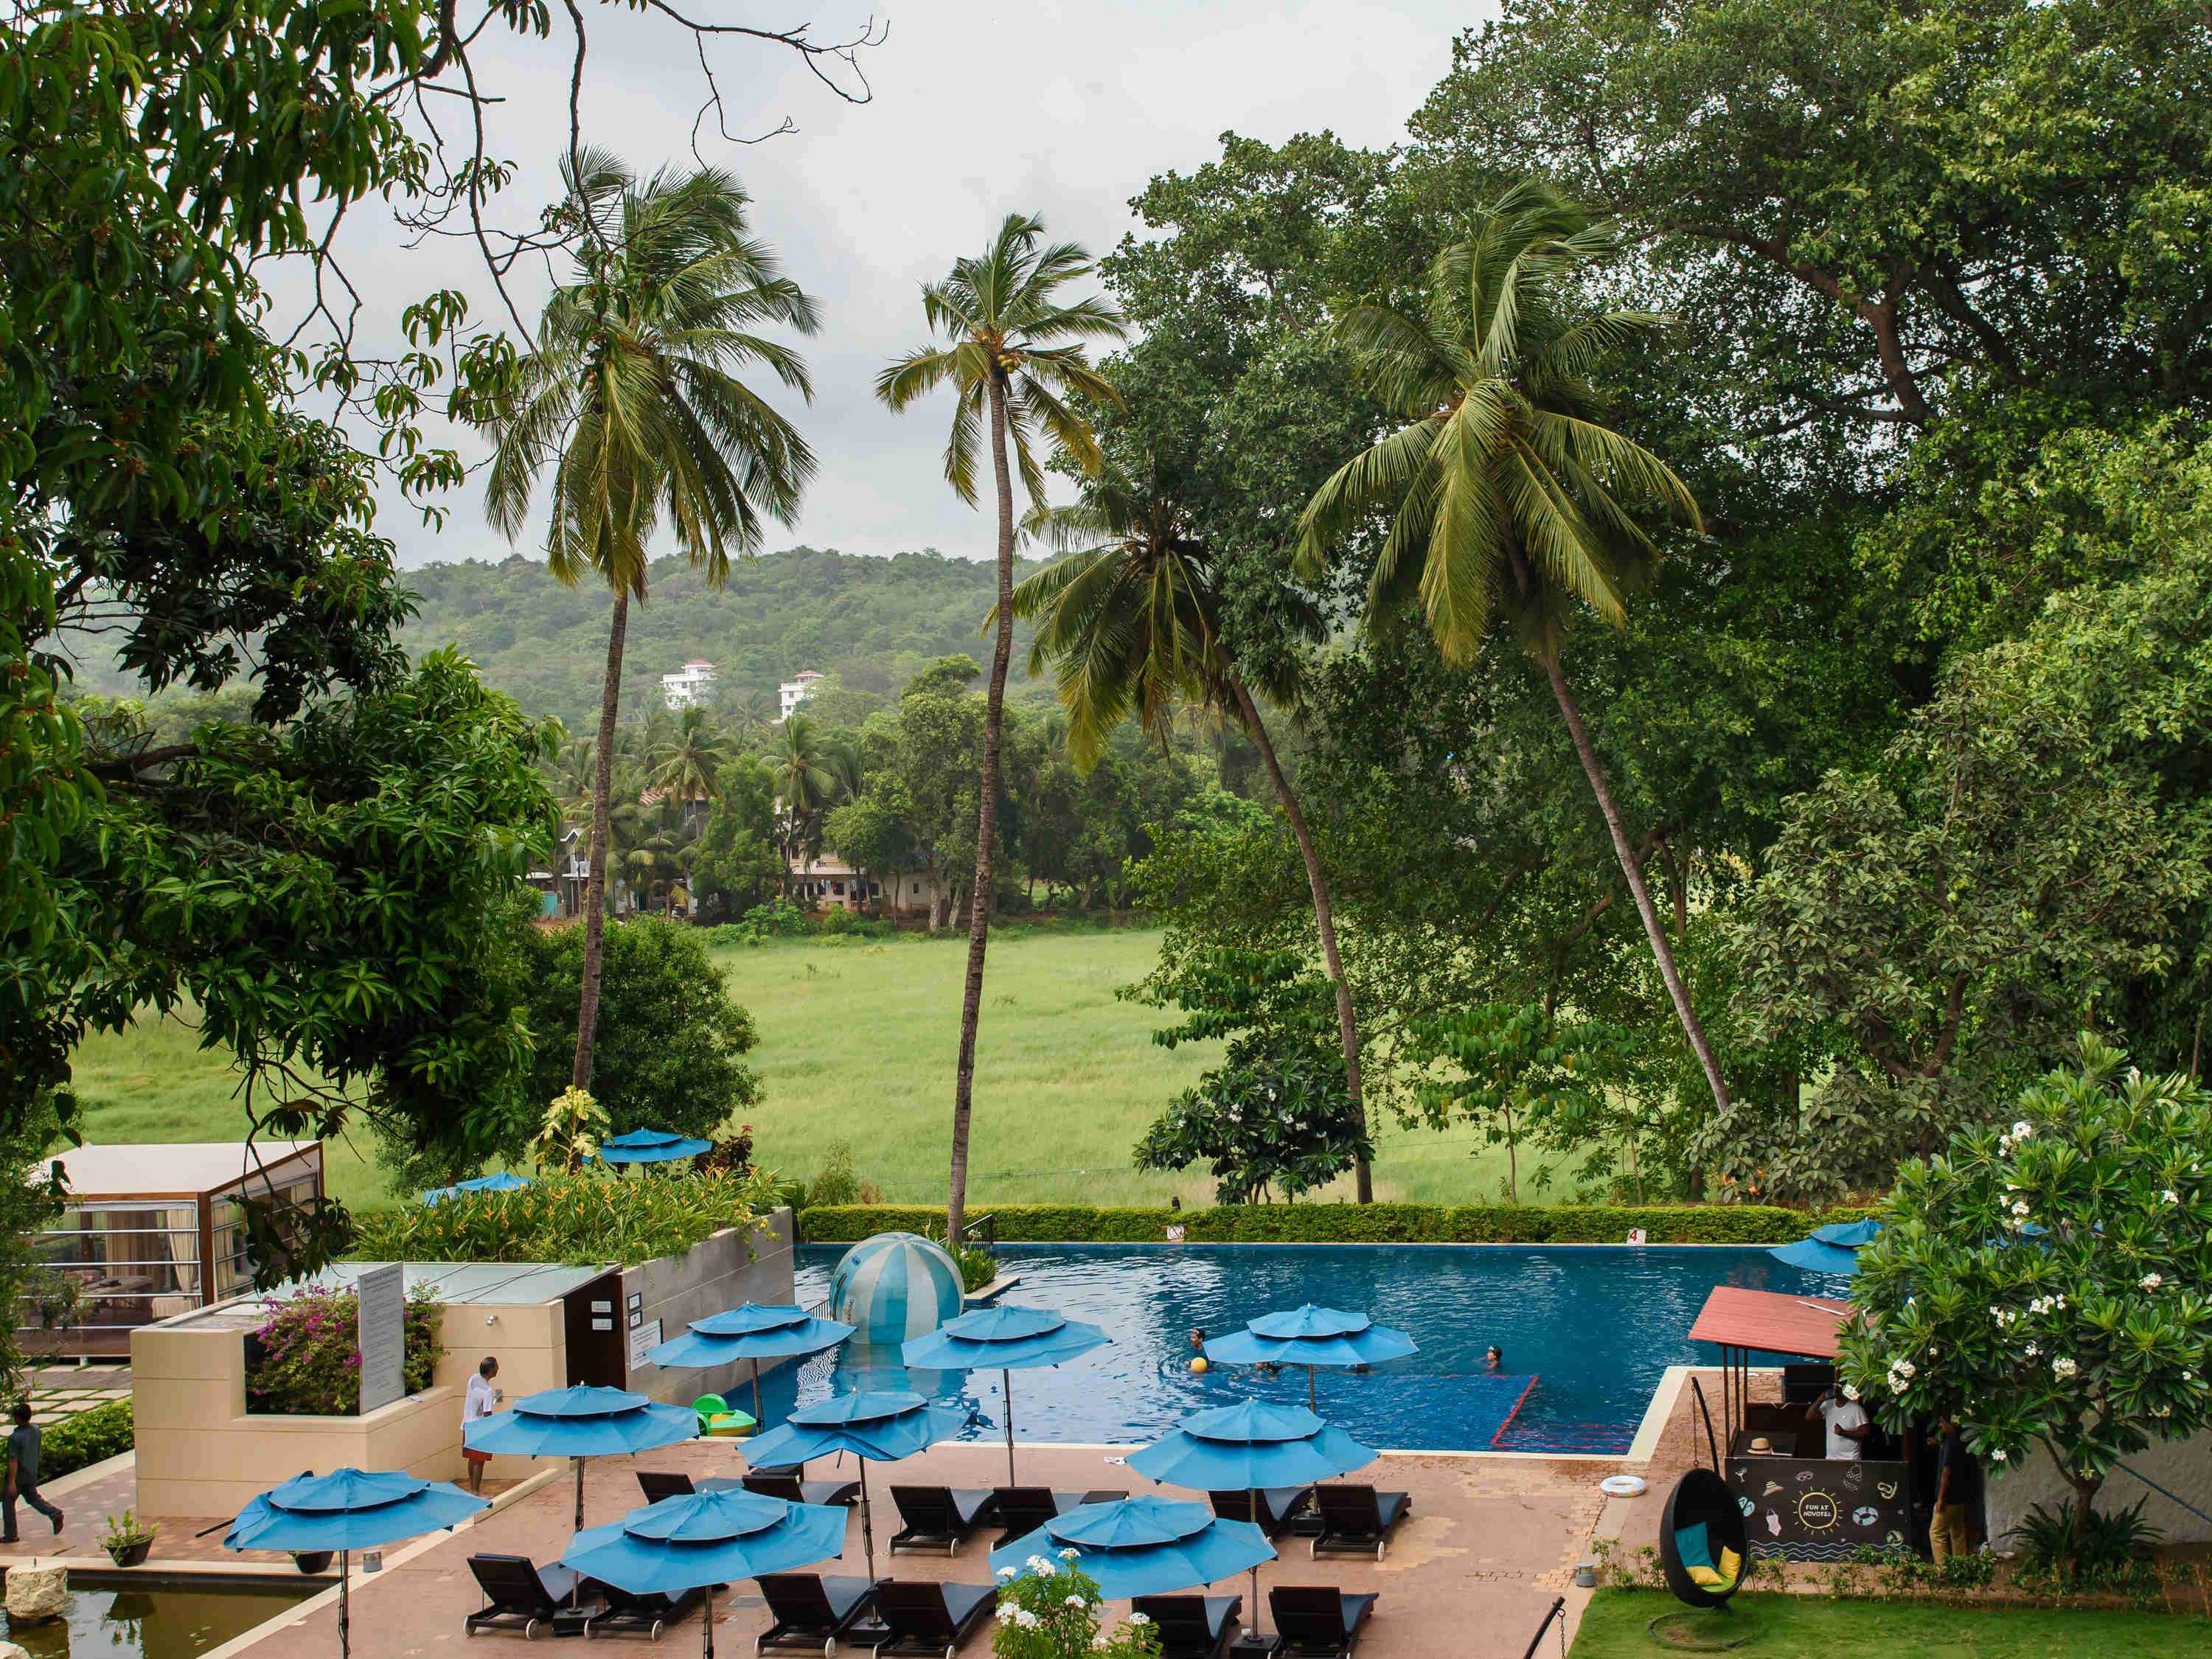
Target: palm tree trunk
{"x": 1633, "y": 871}
{"x": 1348, "y": 1027}
{"x": 986, "y": 823}
{"x": 595, "y": 887}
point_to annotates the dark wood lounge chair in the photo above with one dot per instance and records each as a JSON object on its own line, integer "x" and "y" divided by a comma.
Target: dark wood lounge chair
{"x": 1357, "y": 1520}
{"x": 938, "y": 1517}
{"x": 792, "y": 1490}
{"x": 648, "y": 1615}
{"x": 931, "y": 1619}
{"x": 1191, "y": 1627}
{"x": 1278, "y": 1506}
{"x": 1317, "y": 1621}
{"x": 1022, "y": 1510}
{"x": 656, "y": 1484}
{"x": 519, "y": 1594}
{"x": 811, "y": 1613}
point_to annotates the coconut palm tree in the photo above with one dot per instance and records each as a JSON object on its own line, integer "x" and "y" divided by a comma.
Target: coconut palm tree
{"x": 631, "y": 397}
{"x": 1509, "y": 498}
{"x": 805, "y": 787}
{"x": 1131, "y": 621}
{"x": 1013, "y": 353}
{"x": 693, "y": 755}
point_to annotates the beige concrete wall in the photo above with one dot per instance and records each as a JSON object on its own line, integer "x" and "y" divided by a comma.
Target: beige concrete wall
{"x": 2184, "y": 1468}
{"x": 200, "y": 1453}
{"x": 530, "y": 1344}
{"x": 736, "y": 1265}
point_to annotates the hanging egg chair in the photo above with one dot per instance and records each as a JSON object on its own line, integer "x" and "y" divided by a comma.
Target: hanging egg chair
{"x": 1704, "y": 1546}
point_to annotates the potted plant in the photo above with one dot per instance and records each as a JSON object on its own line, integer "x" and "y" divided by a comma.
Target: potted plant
{"x": 128, "y": 1539}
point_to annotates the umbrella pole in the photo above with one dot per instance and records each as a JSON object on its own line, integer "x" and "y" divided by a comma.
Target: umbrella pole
{"x": 1313, "y": 1404}
{"x": 1006, "y": 1383}
{"x": 345, "y": 1605}
{"x": 760, "y": 1418}
{"x": 1257, "y": 1625}
{"x": 579, "y": 1493}
{"x": 867, "y": 1524}
{"x": 710, "y": 1622}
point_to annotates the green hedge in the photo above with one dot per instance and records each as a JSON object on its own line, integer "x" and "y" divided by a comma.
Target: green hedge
{"x": 1340, "y": 1224}
{"x": 89, "y": 1438}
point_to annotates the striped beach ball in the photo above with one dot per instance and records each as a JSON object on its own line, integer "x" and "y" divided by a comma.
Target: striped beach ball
{"x": 894, "y": 1286}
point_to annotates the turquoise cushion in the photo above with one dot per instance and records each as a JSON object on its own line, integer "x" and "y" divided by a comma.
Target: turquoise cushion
{"x": 1690, "y": 1543}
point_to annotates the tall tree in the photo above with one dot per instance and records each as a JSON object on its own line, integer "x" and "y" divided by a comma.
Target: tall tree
{"x": 805, "y": 786}
{"x": 689, "y": 766}
{"x": 632, "y": 397}
{"x": 1132, "y": 619}
{"x": 1508, "y": 495}
{"x": 1013, "y": 353}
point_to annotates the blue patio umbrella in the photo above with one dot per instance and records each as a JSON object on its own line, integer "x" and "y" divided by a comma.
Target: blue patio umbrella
{"x": 1833, "y": 1248}
{"x": 884, "y": 1425}
{"x": 704, "y": 1538}
{"x": 1004, "y": 1340}
{"x": 1251, "y": 1444}
{"x": 581, "y": 1422}
{"x": 502, "y": 1182}
{"x": 1141, "y": 1546}
{"x": 1310, "y": 1336}
{"x": 650, "y": 1146}
{"x": 755, "y": 1331}
{"x": 345, "y": 1510}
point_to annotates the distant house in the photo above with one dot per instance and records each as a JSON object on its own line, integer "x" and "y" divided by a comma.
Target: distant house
{"x": 795, "y": 691}
{"x": 690, "y": 686}
{"x": 825, "y": 882}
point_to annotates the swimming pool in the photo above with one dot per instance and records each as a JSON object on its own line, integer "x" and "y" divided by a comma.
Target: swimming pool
{"x": 1588, "y": 1332}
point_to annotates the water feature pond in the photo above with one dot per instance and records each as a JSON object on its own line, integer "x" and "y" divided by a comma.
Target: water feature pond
{"x": 1588, "y": 1331}
{"x": 163, "y": 1624}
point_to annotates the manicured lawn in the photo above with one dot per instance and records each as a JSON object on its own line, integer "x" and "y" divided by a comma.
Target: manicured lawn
{"x": 1814, "y": 1627}
{"x": 858, "y": 1039}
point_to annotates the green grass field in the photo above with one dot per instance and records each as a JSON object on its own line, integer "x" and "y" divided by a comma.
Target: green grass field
{"x": 858, "y": 1039}
{"x": 1814, "y": 1627}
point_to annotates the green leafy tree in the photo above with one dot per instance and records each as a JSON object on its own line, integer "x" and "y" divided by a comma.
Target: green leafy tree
{"x": 632, "y": 397}
{"x": 1508, "y": 495}
{"x": 2043, "y": 1284}
{"x": 691, "y": 765}
{"x": 1014, "y": 354}
{"x": 1131, "y": 619}
{"x": 675, "y": 1042}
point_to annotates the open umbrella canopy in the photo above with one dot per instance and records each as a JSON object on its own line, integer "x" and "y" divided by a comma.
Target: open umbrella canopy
{"x": 755, "y": 1331}
{"x": 581, "y": 1422}
{"x": 1003, "y": 1339}
{"x": 349, "y": 1509}
{"x": 1139, "y": 1547}
{"x": 502, "y": 1182}
{"x": 1249, "y": 1445}
{"x": 1310, "y": 1336}
{"x": 650, "y": 1146}
{"x": 883, "y": 1425}
{"x": 1833, "y": 1248}
{"x": 707, "y": 1538}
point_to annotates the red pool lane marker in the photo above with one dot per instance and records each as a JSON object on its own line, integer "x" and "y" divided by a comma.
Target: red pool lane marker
{"x": 1519, "y": 1401}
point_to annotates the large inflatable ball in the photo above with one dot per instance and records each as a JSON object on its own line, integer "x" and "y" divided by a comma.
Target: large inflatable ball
{"x": 894, "y": 1286}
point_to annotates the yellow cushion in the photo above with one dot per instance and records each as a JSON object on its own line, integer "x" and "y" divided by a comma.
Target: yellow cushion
{"x": 1708, "y": 1577}
{"x": 1731, "y": 1566}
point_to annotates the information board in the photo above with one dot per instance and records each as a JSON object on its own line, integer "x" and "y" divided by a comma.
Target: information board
{"x": 382, "y": 1336}
{"x": 1805, "y": 1508}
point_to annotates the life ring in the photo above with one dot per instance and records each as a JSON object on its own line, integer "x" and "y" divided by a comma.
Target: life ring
{"x": 1622, "y": 1486}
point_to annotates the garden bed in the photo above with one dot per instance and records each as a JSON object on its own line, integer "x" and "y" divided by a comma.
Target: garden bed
{"x": 1616, "y": 1626}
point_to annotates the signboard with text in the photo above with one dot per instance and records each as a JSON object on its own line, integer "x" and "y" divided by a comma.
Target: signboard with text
{"x": 1809, "y": 1508}
{"x": 382, "y": 1336}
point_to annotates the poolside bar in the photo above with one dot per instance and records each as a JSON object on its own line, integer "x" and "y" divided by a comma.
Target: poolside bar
{"x": 151, "y": 1232}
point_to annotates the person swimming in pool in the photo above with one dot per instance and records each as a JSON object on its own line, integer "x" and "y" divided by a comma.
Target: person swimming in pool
{"x": 1494, "y": 1361}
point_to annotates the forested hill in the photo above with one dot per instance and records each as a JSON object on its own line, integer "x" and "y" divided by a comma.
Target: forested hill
{"x": 870, "y": 623}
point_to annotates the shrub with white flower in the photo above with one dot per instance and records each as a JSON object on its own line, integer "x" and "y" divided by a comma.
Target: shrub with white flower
{"x": 1051, "y": 1609}
{"x": 2110, "y": 1280}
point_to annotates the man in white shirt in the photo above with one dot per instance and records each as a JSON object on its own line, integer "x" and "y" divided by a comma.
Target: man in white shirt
{"x": 1847, "y": 1425}
{"x": 482, "y": 1399}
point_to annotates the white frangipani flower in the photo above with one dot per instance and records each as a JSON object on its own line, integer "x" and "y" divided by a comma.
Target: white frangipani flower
{"x": 2063, "y": 1366}
{"x": 2151, "y": 1281}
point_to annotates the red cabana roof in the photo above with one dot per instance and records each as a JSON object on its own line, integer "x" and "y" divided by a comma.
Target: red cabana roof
{"x": 1738, "y": 1318}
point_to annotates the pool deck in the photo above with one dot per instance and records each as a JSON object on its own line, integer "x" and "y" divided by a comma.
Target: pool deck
{"x": 1490, "y": 1543}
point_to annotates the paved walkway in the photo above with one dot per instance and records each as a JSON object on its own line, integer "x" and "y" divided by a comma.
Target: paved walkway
{"x": 1490, "y": 1543}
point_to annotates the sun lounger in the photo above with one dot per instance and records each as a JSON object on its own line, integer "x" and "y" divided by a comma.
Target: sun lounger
{"x": 938, "y": 1517}
{"x": 811, "y": 1613}
{"x": 1191, "y": 1627}
{"x": 519, "y": 1595}
{"x": 648, "y": 1615}
{"x": 1278, "y": 1506}
{"x": 792, "y": 1490}
{"x": 1318, "y": 1621}
{"x": 931, "y": 1619}
{"x": 1357, "y": 1520}
{"x": 657, "y": 1485}
{"x": 1022, "y": 1510}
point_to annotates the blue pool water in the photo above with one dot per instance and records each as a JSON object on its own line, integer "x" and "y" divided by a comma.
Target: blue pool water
{"x": 1587, "y": 1331}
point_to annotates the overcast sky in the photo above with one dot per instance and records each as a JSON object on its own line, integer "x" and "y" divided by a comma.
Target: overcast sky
{"x": 1064, "y": 109}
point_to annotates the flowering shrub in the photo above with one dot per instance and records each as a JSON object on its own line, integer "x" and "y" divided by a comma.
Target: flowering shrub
{"x": 309, "y": 1361}
{"x": 2046, "y": 1283}
{"x": 1051, "y": 1611}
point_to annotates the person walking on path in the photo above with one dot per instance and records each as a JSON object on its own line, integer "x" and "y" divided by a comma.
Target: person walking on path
{"x": 23, "y": 1474}
{"x": 481, "y": 1400}
{"x": 1958, "y": 1493}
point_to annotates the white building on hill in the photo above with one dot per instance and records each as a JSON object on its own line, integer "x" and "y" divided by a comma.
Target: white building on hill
{"x": 795, "y": 691}
{"x": 689, "y": 685}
